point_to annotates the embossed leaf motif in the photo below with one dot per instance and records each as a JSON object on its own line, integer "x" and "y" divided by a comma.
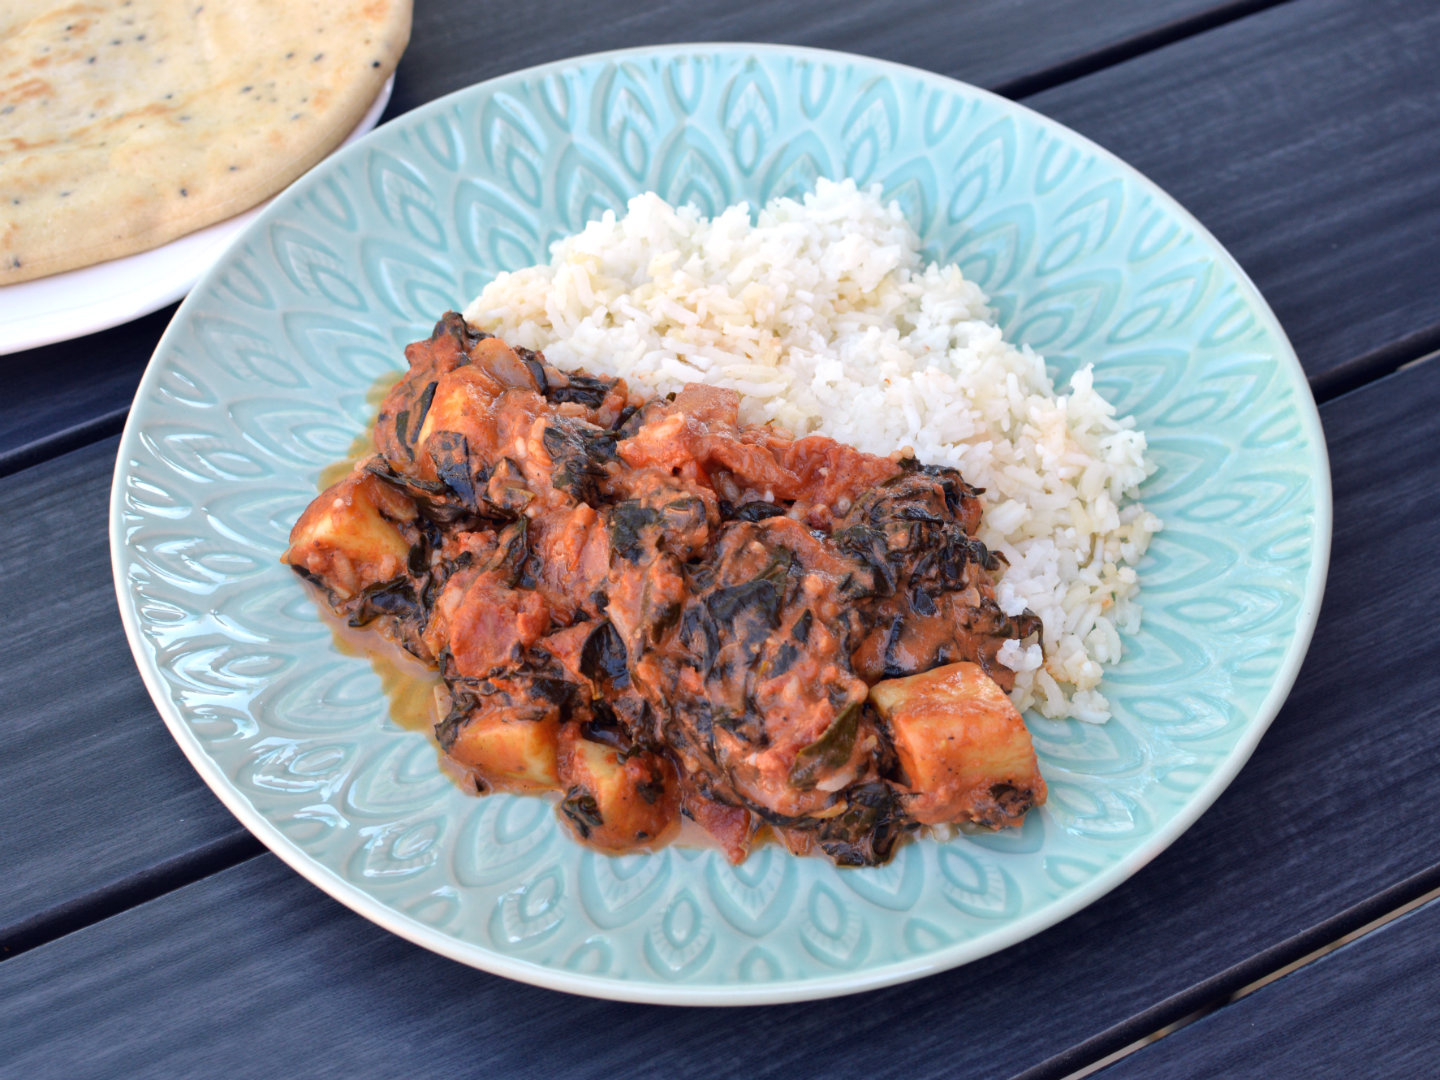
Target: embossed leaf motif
{"x": 441, "y": 142}
{"x": 184, "y": 384}
{"x": 985, "y": 166}
{"x": 331, "y": 200}
{"x": 1066, "y": 313}
{"x": 1183, "y": 717}
{"x": 755, "y": 896}
{"x": 268, "y": 374}
{"x": 439, "y": 908}
{"x": 295, "y": 435}
{"x": 337, "y": 351}
{"x": 692, "y": 173}
{"x": 242, "y": 283}
{"x": 685, "y": 78}
{"x": 201, "y": 457}
{"x": 502, "y": 838}
{"x": 795, "y": 168}
{"x": 146, "y": 497}
{"x": 923, "y": 937}
{"x": 1156, "y": 231}
{"x": 397, "y": 778}
{"x": 298, "y": 768}
{"x": 629, "y": 121}
{"x": 750, "y": 115}
{"x": 870, "y": 131}
{"x": 530, "y": 913}
{"x": 496, "y": 232}
{"x": 975, "y": 883}
{"x": 1163, "y": 653}
{"x": 1183, "y": 465}
{"x": 594, "y": 956}
{"x": 409, "y": 284}
{"x": 1137, "y": 382}
{"x": 1104, "y": 750}
{"x": 1187, "y": 560}
{"x": 617, "y": 891}
{"x": 314, "y": 268}
{"x": 397, "y": 851}
{"x": 1090, "y": 808}
{"x": 402, "y": 195}
{"x": 1230, "y": 390}
{"x": 995, "y": 249}
{"x": 1085, "y": 225}
{"x": 1171, "y": 299}
{"x": 759, "y": 965}
{"x": 1234, "y": 321}
{"x": 833, "y": 933}
{"x": 1059, "y": 161}
{"x": 913, "y": 185}
{"x": 515, "y": 147}
{"x": 328, "y": 702}
{"x": 239, "y": 351}
{"x": 558, "y": 97}
{"x": 942, "y": 113}
{"x": 896, "y": 886}
{"x": 682, "y": 941}
{"x": 186, "y": 558}
{"x": 817, "y": 87}
{"x": 586, "y": 189}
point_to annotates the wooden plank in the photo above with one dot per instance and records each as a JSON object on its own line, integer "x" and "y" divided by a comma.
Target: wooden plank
{"x": 1370, "y": 1008}
{"x": 1015, "y": 44}
{"x": 999, "y": 46}
{"x": 1305, "y": 139}
{"x": 252, "y": 967}
{"x": 63, "y": 396}
{"x": 94, "y": 794}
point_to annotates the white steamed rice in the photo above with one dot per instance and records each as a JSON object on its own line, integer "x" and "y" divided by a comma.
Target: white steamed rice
{"x": 823, "y": 315}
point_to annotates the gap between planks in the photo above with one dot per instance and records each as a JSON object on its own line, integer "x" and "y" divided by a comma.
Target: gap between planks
{"x": 1258, "y": 984}
{"x": 1242, "y": 980}
{"x": 120, "y": 896}
{"x": 1130, "y": 48}
{"x": 63, "y": 441}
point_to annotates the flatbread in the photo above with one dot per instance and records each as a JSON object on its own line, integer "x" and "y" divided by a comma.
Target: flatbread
{"x": 127, "y": 123}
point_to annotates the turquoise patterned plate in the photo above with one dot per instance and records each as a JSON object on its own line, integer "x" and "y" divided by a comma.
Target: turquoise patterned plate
{"x": 261, "y": 381}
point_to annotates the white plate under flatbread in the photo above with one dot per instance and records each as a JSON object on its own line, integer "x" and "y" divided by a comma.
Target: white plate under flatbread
{"x": 127, "y": 123}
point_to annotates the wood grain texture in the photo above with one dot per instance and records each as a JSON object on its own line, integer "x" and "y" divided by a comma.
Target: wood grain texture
{"x": 93, "y": 791}
{"x": 1370, "y": 1008}
{"x": 253, "y": 969}
{"x": 59, "y": 397}
{"x": 991, "y": 43}
{"x": 1305, "y": 138}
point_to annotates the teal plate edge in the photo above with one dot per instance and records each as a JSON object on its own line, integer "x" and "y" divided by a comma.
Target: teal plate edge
{"x": 260, "y": 381}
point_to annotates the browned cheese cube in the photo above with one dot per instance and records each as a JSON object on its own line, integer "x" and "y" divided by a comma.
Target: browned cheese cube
{"x": 510, "y": 751}
{"x": 613, "y": 804}
{"x": 347, "y": 537}
{"x": 963, "y": 746}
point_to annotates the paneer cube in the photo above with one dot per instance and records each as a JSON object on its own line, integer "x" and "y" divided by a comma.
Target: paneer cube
{"x": 507, "y": 750}
{"x": 612, "y": 804}
{"x": 963, "y": 746}
{"x": 348, "y": 538}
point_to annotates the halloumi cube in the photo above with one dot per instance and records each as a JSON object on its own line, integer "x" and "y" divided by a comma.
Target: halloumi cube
{"x": 963, "y": 746}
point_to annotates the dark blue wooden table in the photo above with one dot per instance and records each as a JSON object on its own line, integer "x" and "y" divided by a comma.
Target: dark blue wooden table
{"x": 144, "y": 933}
